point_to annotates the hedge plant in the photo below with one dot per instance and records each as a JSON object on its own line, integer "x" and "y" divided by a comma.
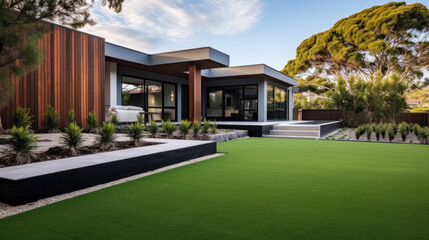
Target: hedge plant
{"x": 196, "y": 127}
{"x": 73, "y": 138}
{"x": 184, "y": 127}
{"x": 168, "y": 128}
{"x": 21, "y": 117}
{"x": 92, "y": 122}
{"x": 153, "y": 128}
{"x": 51, "y": 120}
{"x": 106, "y": 136}
{"x": 135, "y": 132}
{"x": 21, "y": 142}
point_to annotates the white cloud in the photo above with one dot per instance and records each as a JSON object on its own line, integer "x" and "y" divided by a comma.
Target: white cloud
{"x": 144, "y": 23}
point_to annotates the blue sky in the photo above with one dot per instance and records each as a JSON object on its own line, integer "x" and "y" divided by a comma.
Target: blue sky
{"x": 250, "y": 31}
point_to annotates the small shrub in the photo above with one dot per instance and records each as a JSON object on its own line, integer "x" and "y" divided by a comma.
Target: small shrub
{"x": 71, "y": 116}
{"x": 106, "y": 136}
{"x": 140, "y": 118}
{"x": 153, "y": 128}
{"x": 423, "y": 134}
{"x": 21, "y": 118}
{"x": 72, "y": 137}
{"x": 383, "y": 130}
{"x": 51, "y": 120}
{"x": 92, "y": 122}
{"x": 197, "y": 127}
{"x": 114, "y": 119}
{"x": 391, "y": 132}
{"x": 214, "y": 127}
{"x": 358, "y": 132}
{"x": 136, "y": 132}
{"x": 21, "y": 143}
{"x": 368, "y": 130}
{"x": 415, "y": 129}
{"x": 206, "y": 126}
{"x": 184, "y": 127}
{"x": 404, "y": 129}
{"x": 378, "y": 131}
{"x": 395, "y": 127}
{"x": 168, "y": 127}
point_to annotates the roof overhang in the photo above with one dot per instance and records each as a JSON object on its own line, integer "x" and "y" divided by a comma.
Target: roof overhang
{"x": 258, "y": 70}
{"x": 206, "y": 57}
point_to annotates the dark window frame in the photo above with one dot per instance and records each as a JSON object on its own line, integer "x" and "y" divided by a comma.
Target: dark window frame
{"x": 146, "y": 96}
{"x": 242, "y": 99}
{"x": 286, "y": 110}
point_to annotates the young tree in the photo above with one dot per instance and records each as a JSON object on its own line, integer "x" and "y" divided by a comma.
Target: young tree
{"x": 391, "y": 38}
{"x": 22, "y": 24}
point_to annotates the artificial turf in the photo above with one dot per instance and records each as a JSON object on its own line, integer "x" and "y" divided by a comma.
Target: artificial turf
{"x": 262, "y": 189}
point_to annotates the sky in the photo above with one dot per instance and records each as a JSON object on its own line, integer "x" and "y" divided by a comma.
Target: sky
{"x": 249, "y": 31}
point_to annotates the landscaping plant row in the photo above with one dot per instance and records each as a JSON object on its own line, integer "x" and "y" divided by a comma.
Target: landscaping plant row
{"x": 22, "y": 139}
{"x": 390, "y": 130}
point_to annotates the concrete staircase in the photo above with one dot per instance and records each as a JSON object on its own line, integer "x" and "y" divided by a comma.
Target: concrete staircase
{"x": 295, "y": 131}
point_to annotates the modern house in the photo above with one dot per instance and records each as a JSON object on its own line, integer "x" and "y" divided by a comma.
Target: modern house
{"x": 83, "y": 72}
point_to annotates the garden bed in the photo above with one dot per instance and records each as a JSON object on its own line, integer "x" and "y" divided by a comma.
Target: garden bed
{"x": 348, "y": 134}
{"x": 30, "y": 182}
{"x": 49, "y": 146}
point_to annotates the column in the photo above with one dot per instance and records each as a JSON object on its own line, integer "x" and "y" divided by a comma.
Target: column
{"x": 194, "y": 92}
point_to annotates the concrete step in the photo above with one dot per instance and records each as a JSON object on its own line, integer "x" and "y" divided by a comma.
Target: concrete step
{"x": 295, "y": 133}
{"x": 296, "y": 127}
{"x": 283, "y": 136}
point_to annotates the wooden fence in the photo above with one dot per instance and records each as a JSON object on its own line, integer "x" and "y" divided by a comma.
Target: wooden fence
{"x": 322, "y": 114}
{"x": 336, "y": 114}
{"x": 420, "y": 118}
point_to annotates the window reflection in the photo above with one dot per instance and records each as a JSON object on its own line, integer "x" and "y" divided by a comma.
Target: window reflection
{"x": 276, "y": 103}
{"x": 153, "y": 96}
{"x": 235, "y": 103}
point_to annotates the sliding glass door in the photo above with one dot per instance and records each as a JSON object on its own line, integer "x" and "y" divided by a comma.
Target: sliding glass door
{"x": 156, "y": 97}
{"x": 232, "y": 103}
{"x": 277, "y": 103}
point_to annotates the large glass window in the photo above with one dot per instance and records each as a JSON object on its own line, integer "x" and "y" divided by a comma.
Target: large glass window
{"x": 214, "y": 104}
{"x": 133, "y": 92}
{"x": 270, "y": 102}
{"x": 276, "y": 103}
{"x": 169, "y": 95}
{"x": 235, "y": 103}
{"x": 155, "y": 97}
{"x": 154, "y": 94}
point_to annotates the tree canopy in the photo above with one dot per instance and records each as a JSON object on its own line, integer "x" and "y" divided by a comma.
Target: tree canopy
{"x": 391, "y": 38}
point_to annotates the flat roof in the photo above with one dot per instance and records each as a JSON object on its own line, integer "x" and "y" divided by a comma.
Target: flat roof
{"x": 196, "y": 55}
{"x": 214, "y": 63}
{"x": 255, "y": 70}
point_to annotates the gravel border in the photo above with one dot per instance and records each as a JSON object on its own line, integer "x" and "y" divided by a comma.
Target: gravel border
{"x": 8, "y": 210}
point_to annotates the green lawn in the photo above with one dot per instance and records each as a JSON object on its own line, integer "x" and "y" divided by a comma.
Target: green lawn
{"x": 262, "y": 189}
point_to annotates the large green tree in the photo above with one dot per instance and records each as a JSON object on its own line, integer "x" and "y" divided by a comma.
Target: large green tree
{"x": 391, "y": 38}
{"x": 22, "y": 24}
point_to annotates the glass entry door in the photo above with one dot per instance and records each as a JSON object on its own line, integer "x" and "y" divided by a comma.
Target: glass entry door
{"x": 277, "y": 103}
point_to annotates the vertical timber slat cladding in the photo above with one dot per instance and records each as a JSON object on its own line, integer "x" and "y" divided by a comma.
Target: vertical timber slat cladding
{"x": 70, "y": 76}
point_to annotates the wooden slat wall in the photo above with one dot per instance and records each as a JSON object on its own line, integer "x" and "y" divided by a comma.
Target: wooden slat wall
{"x": 71, "y": 76}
